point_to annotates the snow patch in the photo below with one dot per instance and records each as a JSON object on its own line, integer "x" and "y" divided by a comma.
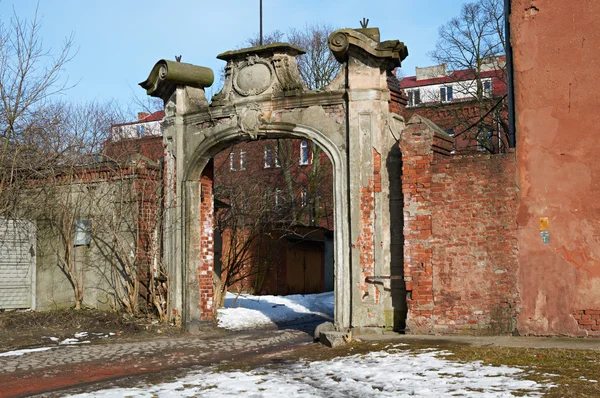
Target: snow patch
{"x": 384, "y": 374}
{"x": 252, "y": 312}
{"x": 17, "y": 353}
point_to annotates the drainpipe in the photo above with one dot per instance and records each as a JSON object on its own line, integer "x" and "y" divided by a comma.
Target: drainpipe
{"x": 509, "y": 76}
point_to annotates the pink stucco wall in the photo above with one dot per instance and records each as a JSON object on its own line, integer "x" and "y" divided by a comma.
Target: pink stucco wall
{"x": 557, "y": 67}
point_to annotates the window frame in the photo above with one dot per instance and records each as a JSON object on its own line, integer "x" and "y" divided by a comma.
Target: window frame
{"x": 232, "y": 161}
{"x": 446, "y": 93}
{"x": 487, "y": 92}
{"x": 304, "y": 154}
{"x": 268, "y": 158}
{"x": 242, "y": 160}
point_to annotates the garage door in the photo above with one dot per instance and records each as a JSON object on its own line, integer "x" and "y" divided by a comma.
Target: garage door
{"x": 17, "y": 264}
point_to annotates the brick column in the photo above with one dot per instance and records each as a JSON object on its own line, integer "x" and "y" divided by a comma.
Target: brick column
{"x": 205, "y": 268}
{"x": 421, "y": 141}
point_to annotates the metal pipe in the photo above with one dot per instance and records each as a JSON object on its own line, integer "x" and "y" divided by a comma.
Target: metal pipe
{"x": 509, "y": 77}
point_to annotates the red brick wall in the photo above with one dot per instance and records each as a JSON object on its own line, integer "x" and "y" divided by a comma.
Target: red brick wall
{"x": 150, "y": 147}
{"x": 398, "y": 100}
{"x": 205, "y": 268}
{"x": 366, "y": 237}
{"x": 474, "y": 253}
{"x": 460, "y": 238}
{"x": 588, "y": 320}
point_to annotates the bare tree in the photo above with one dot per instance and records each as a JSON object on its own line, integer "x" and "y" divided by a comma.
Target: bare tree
{"x": 293, "y": 192}
{"x": 30, "y": 76}
{"x": 68, "y": 154}
{"x": 318, "y": 66}
{"x": 473, "y": 44}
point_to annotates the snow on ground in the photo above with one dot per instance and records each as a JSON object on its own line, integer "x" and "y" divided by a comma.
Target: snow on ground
{"x": 76, "y": 339}
{"x": 252, "y": 312}
{"x": 393, "y": 373}
{"x": 17, "y": 353}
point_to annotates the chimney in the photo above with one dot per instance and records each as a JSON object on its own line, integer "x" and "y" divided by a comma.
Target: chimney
{"x": 431, "y": 72}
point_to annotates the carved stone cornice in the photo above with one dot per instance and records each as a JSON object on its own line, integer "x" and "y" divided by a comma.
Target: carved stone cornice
{"x": 167, "y": 75}
{"x": 391, "y": 52}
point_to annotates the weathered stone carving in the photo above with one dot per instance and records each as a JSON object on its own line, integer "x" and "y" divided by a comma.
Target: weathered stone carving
{"x": 249, "y": 120}
{"x": 253, "y": 76}
{"x": 392, "y": 52}
{"x": 269, "y": 69}
{"x": 167, "y": 75}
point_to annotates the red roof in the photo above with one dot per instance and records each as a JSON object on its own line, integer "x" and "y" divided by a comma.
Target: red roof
{"x": 153, "y": 117}
{"x": 158, "y": 115}
{"x": 460, "y": 75}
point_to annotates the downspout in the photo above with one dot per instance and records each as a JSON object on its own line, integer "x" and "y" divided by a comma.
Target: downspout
{"x": 509, "y": 76}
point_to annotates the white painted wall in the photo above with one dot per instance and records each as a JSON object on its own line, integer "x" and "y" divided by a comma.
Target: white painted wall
{"x": 460, "y": 90}
{"x": 136, "y": 130}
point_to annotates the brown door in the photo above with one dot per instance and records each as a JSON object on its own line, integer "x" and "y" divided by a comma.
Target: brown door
{"x": 304, "y": 268}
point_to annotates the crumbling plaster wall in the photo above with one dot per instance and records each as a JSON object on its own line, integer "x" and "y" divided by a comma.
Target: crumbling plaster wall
{"x": 556, "y": 61}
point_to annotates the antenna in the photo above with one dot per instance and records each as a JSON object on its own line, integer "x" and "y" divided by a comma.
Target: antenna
{"x": 261, "y": 32}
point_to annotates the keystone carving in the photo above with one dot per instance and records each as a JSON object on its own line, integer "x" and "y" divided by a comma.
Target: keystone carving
{"x": 249, "y": 120}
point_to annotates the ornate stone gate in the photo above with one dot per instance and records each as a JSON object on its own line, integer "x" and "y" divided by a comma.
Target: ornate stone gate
{"x": 354, "y": 123}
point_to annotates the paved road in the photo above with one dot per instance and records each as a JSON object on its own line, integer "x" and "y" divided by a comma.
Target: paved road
{"x": 68, "y": 366}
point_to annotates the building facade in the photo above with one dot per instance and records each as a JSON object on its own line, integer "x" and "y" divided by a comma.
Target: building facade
{"x": 469, "y": 105}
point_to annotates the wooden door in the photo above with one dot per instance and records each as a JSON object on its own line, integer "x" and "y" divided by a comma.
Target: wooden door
{"x": 304, "y": 268}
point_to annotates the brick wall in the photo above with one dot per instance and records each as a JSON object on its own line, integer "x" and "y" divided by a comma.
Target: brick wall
{"x": 460, "y": 236}
{"x": 588, "y": 320}
{"x": 398, "y": 100}
{"x": 205, "y": 267}
{"x": 473, "y": 227}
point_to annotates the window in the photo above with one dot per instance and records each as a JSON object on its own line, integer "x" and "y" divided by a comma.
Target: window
{"x": 232, "y": 162}
{"x": 268, "y": 158}
{"x": 277, "y": 161}
{"x": 304, "y": 152}
{"x": 450, "y": 132}
{"x": 83, "y": 229}
{"x": 141, "y": 131}
{"x": 487, "y": 88}
{"x": 484, "y": 141}
{"x": 242, "y": 160}
{"x": 446, "y": 94}
{"x": 304, "y": 197}
{"x": 414, "y": 97}
{"x": 277, "y": 197}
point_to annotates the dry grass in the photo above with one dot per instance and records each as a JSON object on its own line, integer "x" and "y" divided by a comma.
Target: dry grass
{"x": 28, "y": 329}
{"x": 573, "y": 368}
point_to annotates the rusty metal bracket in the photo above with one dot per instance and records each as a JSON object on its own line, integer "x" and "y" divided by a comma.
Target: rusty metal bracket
{"x": 372, "y": 278}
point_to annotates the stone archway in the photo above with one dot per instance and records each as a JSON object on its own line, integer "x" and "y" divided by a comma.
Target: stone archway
{"x": 263, "y": 97}
{"x": 193, "y": 182}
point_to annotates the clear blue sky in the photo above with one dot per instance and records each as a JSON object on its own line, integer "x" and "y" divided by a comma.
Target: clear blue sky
{"x": 118, "y": 42}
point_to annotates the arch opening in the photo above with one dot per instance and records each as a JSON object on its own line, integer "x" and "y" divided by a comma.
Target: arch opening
{"x": 302, "y": 234}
